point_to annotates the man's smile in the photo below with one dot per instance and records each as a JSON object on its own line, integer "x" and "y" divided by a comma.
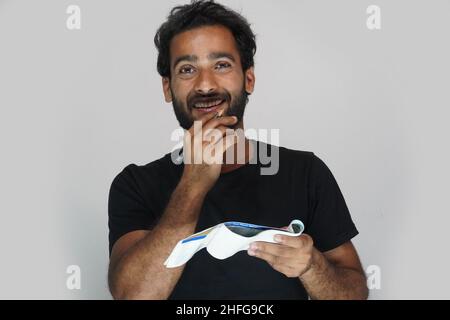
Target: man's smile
{"x": 207, "y": 107}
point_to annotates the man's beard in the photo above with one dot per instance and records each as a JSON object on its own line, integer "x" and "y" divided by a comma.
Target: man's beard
{"x": 236, "y": 108}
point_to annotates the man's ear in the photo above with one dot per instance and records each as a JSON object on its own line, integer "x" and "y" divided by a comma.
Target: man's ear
{"x": 250, "y": 80}
{"x": 166, "y": 89}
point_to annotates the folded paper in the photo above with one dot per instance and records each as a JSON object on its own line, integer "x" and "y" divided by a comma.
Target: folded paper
{"x": 226, "y": 239}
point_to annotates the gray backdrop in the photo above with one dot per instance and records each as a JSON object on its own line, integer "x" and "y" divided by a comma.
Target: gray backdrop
{"x": 78, "y": 106}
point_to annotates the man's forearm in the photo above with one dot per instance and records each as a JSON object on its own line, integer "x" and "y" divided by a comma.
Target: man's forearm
{"x": 140, "y": 273}
{"x": 326, "y": 281}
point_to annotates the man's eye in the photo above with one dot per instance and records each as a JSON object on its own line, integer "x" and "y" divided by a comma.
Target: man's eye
{"x": 223, "y": 65}
{"x": 186, "y": 70}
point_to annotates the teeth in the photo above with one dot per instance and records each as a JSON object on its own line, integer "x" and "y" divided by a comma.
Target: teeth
{"x": 208, "y": 105}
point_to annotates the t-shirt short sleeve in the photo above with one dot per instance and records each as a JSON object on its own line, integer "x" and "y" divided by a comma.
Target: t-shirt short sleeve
{"x": 330, "y": 223}
{"x": 127, "y": 210}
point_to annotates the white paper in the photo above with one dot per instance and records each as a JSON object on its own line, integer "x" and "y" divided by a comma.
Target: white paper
{"x": 226, "y": 239}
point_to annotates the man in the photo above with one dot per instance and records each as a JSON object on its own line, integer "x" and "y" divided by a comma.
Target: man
{"x": 206, "y": 62}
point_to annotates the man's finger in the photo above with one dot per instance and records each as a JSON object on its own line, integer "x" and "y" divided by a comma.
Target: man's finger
{"x": 273, "y": 249}
{"x": 271, "y": 259}
{"x": 294, "y": 242}
{"x": 224, "y": 121}
{"x": 204, "y": 119}
{"x": 220, "y": 131}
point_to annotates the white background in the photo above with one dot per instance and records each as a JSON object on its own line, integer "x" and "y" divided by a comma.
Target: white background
{"x": 78, "y": 106}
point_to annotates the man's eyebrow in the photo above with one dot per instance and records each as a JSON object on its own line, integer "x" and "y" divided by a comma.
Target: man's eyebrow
{"x": 187, "y": 58}
{"x": 211, "y": 56}
{"x": 220, "y": 55}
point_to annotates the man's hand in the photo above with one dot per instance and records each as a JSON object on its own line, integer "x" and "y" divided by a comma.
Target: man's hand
{"x": 335, "y": 274}
{"x": 291, "y": 256}
{"x": 201, "y": 171}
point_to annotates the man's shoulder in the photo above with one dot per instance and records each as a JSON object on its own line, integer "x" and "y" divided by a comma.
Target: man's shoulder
{"x": 296, "y": 152}
{"x": 296, "y": 155}
{"x": 307, "y": 159}
{"x": 282, "y": 160}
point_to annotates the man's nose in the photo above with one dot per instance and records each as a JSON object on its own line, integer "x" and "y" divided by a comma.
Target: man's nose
{"x": 206, "y": 83}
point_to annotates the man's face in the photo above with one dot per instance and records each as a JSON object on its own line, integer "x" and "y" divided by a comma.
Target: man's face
{"x": 207, "y": 75}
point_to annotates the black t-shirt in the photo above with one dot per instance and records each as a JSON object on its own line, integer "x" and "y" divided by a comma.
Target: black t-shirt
{"x": 303, "y": 188}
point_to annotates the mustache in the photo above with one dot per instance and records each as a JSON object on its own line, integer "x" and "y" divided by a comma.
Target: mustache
{"x": 192, "y": 100}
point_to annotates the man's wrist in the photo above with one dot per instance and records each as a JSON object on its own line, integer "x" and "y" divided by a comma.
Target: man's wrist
{"x": 190, "y": 190}
{"x": 316, "y": 265}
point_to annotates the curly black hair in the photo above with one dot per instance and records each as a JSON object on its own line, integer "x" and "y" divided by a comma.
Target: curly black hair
{"x": 204, "y": 13}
